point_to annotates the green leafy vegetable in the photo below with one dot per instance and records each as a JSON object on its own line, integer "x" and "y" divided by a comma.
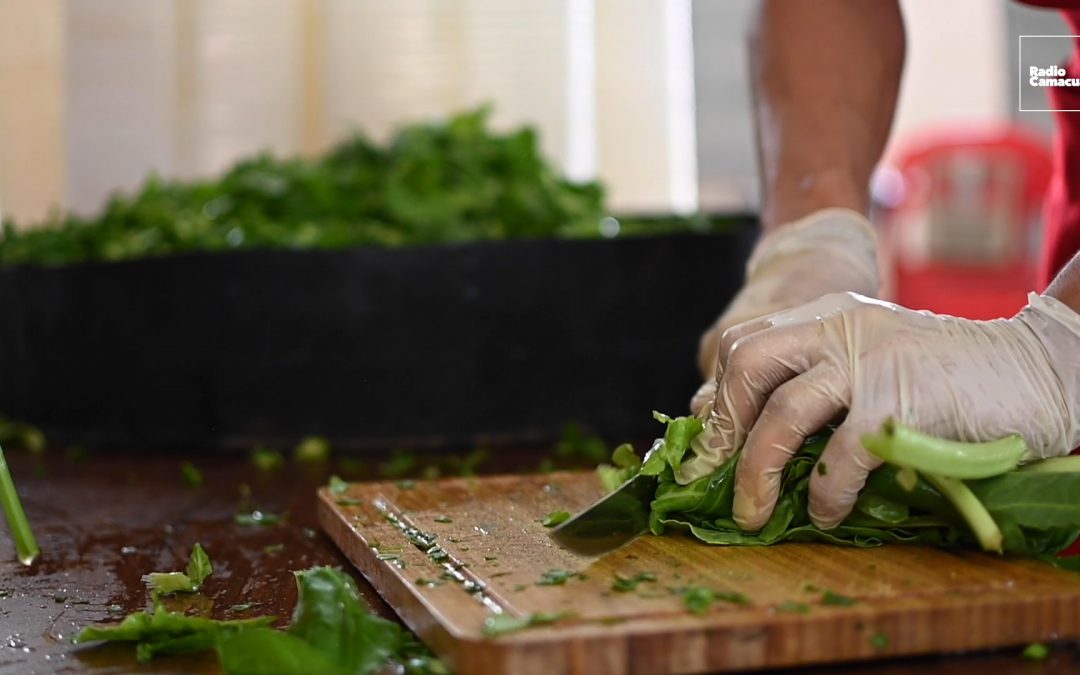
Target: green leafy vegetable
{"x": 879, "y": 640}
{"x": 1036, "y": 651}
{"x": 25, "y": 544}
{"x": 1026, "y": 511}
{"x": 624, "y": 465}
{"x": 331, "y": 632}
{"x": 190, "y": 581}
{"x": 555, "y": 518}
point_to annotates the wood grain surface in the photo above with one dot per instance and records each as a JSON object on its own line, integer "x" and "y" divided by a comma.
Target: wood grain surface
{"x": 908, "y": 599}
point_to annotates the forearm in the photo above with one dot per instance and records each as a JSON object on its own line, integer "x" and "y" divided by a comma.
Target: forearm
{"x": 1066, "y": 285}
{"x": 826, "y": 75}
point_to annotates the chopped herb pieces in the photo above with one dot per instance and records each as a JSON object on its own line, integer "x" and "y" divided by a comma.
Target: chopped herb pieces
{"x": 879, "y": 640}
{"x": 192, "y": 476}
{"x": 624, "y": 584}
{"x": 443, "y": 519}
{"x": 501, "y": 624}
{"x": 267, "y": 459}
{"x": 189, "y": 581}
{"x": 555, "y": 518}
{"x": 257, "y": 519}
{"x": 337, "y": 485}
{"x": 557, "y": 577}
{"x": 312, "y": 449}
{"x": 698, "y": 599}
{"x": 1036, "y": 651}
{"x": 836, "y": 599}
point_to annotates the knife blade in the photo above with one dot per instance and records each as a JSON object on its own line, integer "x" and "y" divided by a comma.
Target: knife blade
{"x": 612, "y": 521}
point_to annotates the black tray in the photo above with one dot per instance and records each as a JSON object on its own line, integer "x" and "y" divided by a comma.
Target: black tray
{"x": 454, "y": 344}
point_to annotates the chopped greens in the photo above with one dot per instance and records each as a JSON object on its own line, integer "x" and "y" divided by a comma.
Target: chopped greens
{"x": 189, "y": 581}
{"x": 1036, "y": 651}
{"x": 501, "y": 624}
{"x": 879, "y": 640}
{"x": 337, "y": 485}
{"x": 258, "y": 519}
{"x": 698, "y": 599}
{"x": 555, "y": 518}
{"x": 312, "y": 449}
{"x": 331, "y": 632}
{"x": 625, "y": 584}
{"x": 1028, "y": 511}
{"x": 834, "y": 599}
{"x": 557, "y": 577}
{"x": 192, "y": 476}
{"x": 267, "y": 459}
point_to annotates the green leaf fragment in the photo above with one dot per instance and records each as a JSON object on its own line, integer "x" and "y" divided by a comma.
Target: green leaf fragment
{"x": 192, "y": 476}
{"x": 257, "y": 518}
{"x": 557, "y": 577}
{"x": 624, "y": 584}
{"x": 190, "y": 581}
{"x": 1036, "y": 651}
{"x": 555, "y": 518}
{"x": 267, "y": 459}
{"x": 833, "y": 599}
{"x": 879, "y": 640}
{"x": 502, "y": 624}
{"x": 312, "y": 450}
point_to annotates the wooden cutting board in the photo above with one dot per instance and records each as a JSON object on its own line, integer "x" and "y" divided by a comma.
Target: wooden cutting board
{"x": 908, "y": 599}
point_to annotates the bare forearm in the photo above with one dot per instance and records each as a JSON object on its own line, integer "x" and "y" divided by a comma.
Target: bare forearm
{"x": 1066, "y": 285}
{"x": 826, "y": 75}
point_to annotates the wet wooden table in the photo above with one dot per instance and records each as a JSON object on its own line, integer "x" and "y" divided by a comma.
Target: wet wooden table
{"x": 106, "y": 519}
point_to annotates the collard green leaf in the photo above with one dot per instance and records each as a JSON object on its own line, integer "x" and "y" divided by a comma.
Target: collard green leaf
{"x": 332, "y": 619}
{"x": 264, "y": 651}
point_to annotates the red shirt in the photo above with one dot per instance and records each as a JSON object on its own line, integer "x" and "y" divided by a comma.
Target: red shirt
{"x": 1061, "y": 214}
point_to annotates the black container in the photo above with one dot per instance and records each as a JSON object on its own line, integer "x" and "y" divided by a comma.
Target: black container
{"x": 454, "y": 344}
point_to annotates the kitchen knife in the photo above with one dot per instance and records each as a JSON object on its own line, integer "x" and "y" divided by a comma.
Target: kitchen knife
{"x": 613, "y": 520}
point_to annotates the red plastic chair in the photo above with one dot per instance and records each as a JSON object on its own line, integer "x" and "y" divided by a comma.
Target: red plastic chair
{"x": 963, "y": 226}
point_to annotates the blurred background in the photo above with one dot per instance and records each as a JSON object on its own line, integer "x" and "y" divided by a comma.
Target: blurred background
{"x": 648, "y": 97}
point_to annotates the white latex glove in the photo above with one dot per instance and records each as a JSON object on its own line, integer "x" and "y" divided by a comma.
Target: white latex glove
{"x": 789, "y": 374}
{"x": 829, "y": 251}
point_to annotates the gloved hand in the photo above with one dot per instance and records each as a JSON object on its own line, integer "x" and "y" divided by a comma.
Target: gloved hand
{"x": 829, "y": 251}
{"x": 787, "y": 375}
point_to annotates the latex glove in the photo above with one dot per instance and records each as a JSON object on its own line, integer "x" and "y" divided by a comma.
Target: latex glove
{"x": 788, "y": 375}
{"x": 829, "y": 251}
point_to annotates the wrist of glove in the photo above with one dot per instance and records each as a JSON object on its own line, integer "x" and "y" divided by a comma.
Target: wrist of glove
{"x": 829, "y": 251}
{"x": 848, "y": 357}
